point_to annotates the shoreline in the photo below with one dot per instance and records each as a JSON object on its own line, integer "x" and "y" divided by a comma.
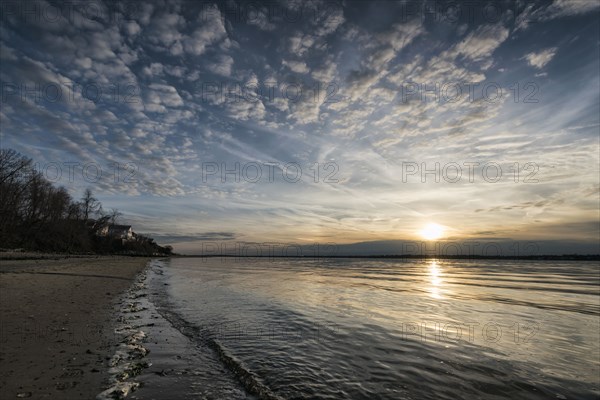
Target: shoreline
{"x": 13, "y": 255}
{"x": 57, "y": 323}
{"x": 161, "y": 356}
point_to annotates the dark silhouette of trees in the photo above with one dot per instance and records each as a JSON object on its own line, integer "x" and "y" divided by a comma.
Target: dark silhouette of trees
{"x": 35, "y": 215}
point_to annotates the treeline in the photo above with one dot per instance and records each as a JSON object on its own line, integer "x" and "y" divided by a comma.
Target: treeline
{"x": 35, "y": 215}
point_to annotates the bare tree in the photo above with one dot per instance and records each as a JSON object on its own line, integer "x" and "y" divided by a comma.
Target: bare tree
{"x": 89, "y": 204}
{"x": 15, "y": 178}
{"x": 114, "y": 214}
{"x": 12, "y": 165}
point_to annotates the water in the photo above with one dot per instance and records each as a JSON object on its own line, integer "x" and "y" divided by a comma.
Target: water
{"x": 373, "y": 329}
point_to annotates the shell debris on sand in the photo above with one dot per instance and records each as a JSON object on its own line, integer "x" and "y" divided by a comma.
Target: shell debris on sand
{"x": 127, "y": 362}
{"x": 119, "y": 391}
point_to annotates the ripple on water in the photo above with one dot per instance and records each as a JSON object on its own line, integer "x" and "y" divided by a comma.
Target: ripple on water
{"x": 337, "y": 329}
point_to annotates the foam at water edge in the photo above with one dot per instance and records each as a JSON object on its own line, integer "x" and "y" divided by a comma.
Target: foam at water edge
{"x": 128, "y": 360}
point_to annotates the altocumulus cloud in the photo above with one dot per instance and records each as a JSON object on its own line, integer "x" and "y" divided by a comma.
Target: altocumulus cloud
{"x": 348, "y": 92}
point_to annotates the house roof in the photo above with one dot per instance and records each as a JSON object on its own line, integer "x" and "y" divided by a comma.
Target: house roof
{"x": 120, "y": 227}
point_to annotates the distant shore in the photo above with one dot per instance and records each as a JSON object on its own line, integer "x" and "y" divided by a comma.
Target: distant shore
{"x": 564, "y": 257}
{"x": 33, "y": 255}
{"x": 57, "y": 319}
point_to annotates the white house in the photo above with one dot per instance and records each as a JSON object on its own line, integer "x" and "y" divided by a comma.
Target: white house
{"x": 120, "y": 232}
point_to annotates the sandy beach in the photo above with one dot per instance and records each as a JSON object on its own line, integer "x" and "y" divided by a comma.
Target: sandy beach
{"x": 56, "y": 324}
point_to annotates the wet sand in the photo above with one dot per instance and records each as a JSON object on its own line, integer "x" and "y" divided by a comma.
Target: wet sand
{"x": 57, "y": 324}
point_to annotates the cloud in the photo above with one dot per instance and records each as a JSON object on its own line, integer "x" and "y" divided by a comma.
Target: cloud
{"x": 164, "y": 29}
{"x": 326, "y": 72}
{"x": 329, "y": 20}
{"x": 378, "y": 52}
{"x": 145, "y": 13}
{"x": 564, "y": 8}
{"x": 480, "y": 44}
{"x": 300, "y": 43}
{"x": 154, "y": 69}
{"x": 7, "y": 53}
{"x": 246, "y": 110}
{"x": 401, "y": 35}
{"x": 540, "y": 59}
{"x": 158, "y": 96}
{"x": 85, "y": 62}
{"x": 298, "y": 67}
{"x": 222, "y": 66}
{"x": 205, "y": 236}
{"x": 558, "y": 9}
{"x": 175, "y": 71}
{"x": 260, "y": 19}
{"x": 132, "y": 28}
{"x": 210, "y": 31}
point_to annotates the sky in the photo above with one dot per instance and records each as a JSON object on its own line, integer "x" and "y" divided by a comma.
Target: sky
{"x": 314, "y": 122}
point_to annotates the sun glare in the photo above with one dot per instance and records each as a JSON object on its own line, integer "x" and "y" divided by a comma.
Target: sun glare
{"x": 432, "y": 232}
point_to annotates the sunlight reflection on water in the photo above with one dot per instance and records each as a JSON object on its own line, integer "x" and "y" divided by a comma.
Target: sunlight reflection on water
{"x": 362, "y": 329}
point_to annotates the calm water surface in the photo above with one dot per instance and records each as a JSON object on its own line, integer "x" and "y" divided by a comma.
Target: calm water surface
{"x": 386, "y": 329}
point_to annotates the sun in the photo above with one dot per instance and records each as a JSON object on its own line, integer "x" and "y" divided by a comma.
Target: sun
{"x": 432, "y": 231}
